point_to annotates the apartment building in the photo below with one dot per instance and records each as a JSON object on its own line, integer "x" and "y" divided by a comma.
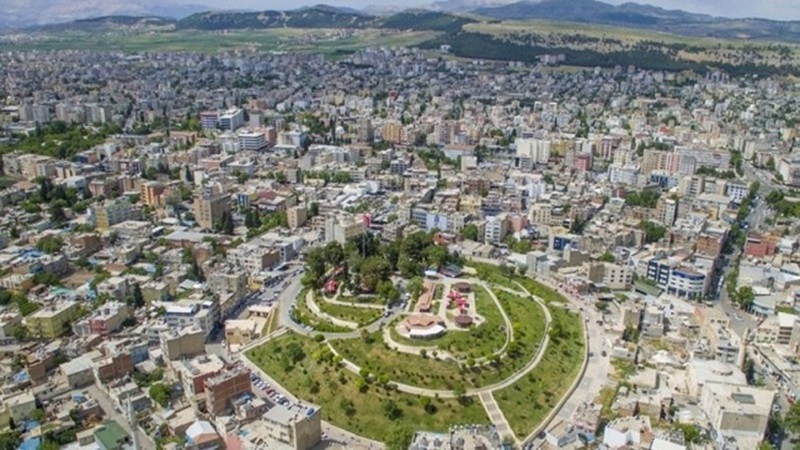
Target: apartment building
{"x": 104, "y": 320}
{"x": 297, "y": 426}
{"x": 231, "y": 119}
{"x": 225, "y": 387}
{"x": 341, "y": 228}
{"x": 209, "y": 208}
{"x": 497, "y": 228}
{"x": 53, "y": 320}
{"x": 737, "y": 410}
{"x": 296, "y": 216}
{"x": 252, "y": 141}
{"x": 182, "y": 343}
{"x": 194, "y": 372}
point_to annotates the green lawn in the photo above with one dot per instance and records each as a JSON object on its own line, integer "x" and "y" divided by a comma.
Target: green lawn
{"x": 318, "y": 379}
{"x": 527, "y": 320}
{"x": 495, "y": 274}
{"x": 306, "y": 317}
{"x": 479, "y": 341}
{"x": 361, "y": 316}
{"x": 527, "y": 402}
{"x": 361, "y": 300}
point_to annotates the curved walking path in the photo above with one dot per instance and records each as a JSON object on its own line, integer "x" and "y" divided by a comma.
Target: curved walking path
{"x": 445, "y": 393}
{"x": 335, "y": 301}
{"x": 415, "y": 350}
{"x": 444, "y": 354}
{"x": 314, "y": 308}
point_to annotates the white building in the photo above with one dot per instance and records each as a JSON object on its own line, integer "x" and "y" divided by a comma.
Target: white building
{"x": 633, "y": 432}
{"x": 252, "y": 141}
{"x": 232, "y": 119}
{"x": 496, "y": 229}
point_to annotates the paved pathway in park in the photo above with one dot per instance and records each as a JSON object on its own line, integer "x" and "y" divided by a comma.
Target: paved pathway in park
{"x": 496, "y": 414}
{"x": 314, "y": 308}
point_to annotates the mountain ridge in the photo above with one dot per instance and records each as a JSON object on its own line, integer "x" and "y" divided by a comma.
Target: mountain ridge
{"x": 22, "y": 14}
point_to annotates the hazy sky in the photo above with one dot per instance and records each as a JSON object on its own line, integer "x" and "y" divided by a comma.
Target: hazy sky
{"x": 773, "y": 9}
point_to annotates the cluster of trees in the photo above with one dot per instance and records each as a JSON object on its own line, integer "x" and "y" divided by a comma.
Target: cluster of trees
{"x": 366, "y": 263}
{"x": 258, "y": 223}
{"x": 784, "y": 207}
{"x": 434, "y": 158}
{"x": 644, "y": 55}
{"x": 225, "y": 224}
{"x": 736, "y": 239}
{"x": 60, "y": 140}
{"x": 57, "y": 197}
{"x": 328, "y": 177}
{"x": 653, "y": 232}
{"x": 471, "y": 232}
{"x": 517, "y": 245}
{"x": 25, "y": 307}
{"x": 647, "y": 199}
{"x": 160, "y": 393}
{"x": 725, "y": 174}
{"x": 49, "y": 244}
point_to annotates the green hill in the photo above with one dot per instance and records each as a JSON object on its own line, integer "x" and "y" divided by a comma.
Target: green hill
{"x": 422, "y": 20}
{"x": 313, "y": 17}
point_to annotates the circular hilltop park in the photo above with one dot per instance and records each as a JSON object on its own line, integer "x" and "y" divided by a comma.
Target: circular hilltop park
{"x": 386, "y": 352}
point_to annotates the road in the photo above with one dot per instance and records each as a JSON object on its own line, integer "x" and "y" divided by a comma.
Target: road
{"x": 288, "y": 301}
{"x": 598, "y": 366}
{"x": 741, "y": 321}
{"x": 109, "y": 407}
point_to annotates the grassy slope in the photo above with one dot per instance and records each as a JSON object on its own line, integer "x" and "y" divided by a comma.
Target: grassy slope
{"x": 481, "y": 341}
{"x": 526, "y": 403}
{"x": 336, "y": 384}
{"x": 527, "y": 318}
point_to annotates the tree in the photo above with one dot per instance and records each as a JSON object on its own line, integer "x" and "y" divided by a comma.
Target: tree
{"x": 374, "y": 270}
{"x": 387, "y": 291}
{"x": 791, "y": 420}
{"x": 348, "y": 408}
{"x": 57, "y": 214}
{"x": 295, "y": 352}
{"x": 607, "y": 257}
{"x": 427, "y": 405}
{"x": 652, "y": 231}
{"x": 49, "y": 244}
{"x": 38, "y": 415}
{"x": 225, "y": 223}
{"x": 471, "y": 232}
{"x": 414, "y": 287}
{"x": 313, "y": 209}
{"x": 49, "y": 445}
{"x": 744, "y": 297}
{"x": 631, "y": 334}
{"x": 187, "y": 174}
{"x": 334, "y": 254}
{"x": 195, "y": 272}
{"x": 399, "y": 438}
{"x": 160, "y": 394}
{"x": 647, "y": 199}
{"x": 11, "y": 440}
{"x": 435, "y": 256}
{"x": 136, "y": 299}
{"x": 391, "y": 410}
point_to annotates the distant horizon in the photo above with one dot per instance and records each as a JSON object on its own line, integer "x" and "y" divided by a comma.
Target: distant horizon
{"x": 783, "y": 10}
